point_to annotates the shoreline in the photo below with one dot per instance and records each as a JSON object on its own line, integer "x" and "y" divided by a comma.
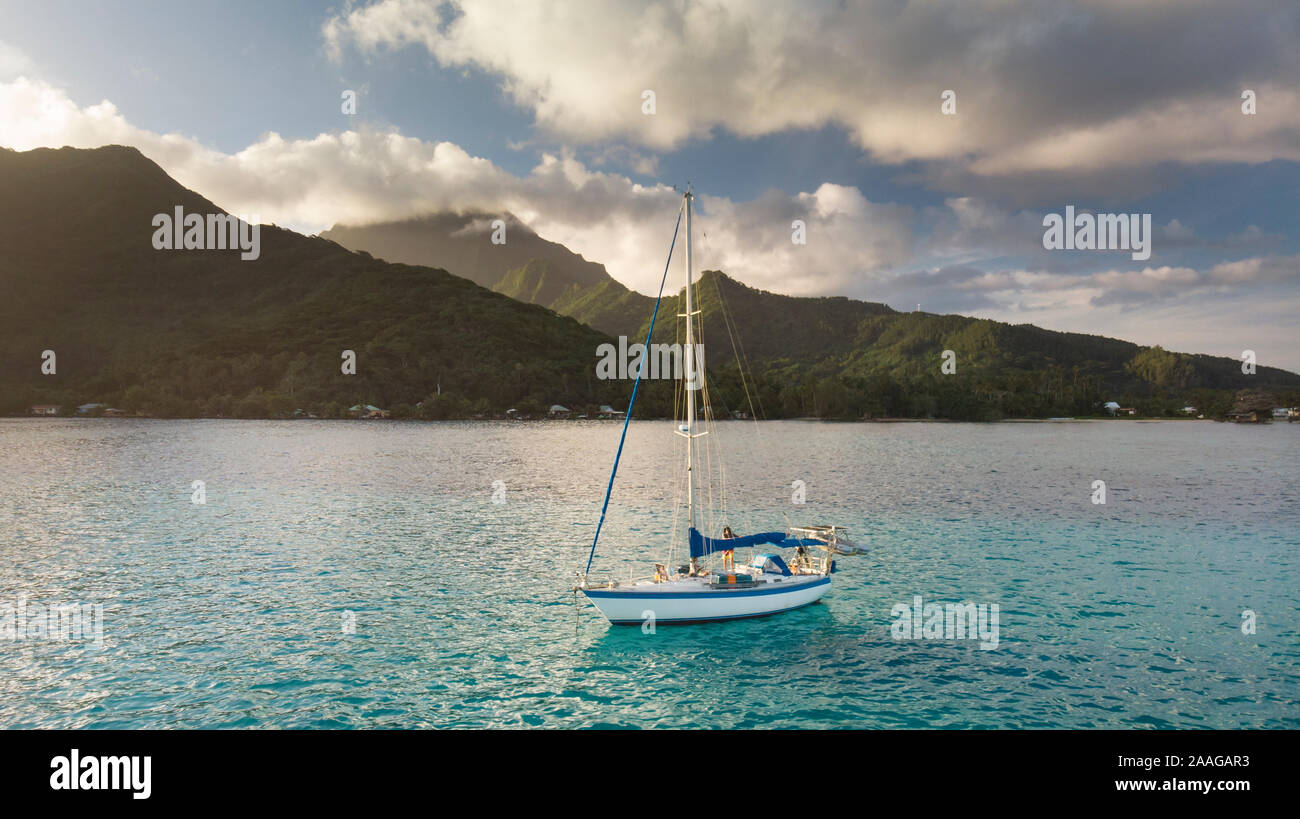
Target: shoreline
{"x": 805, "y": 419}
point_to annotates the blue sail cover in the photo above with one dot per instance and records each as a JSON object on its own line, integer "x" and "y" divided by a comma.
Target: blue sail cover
{"x": 701, "y": 545}
{"x": 807, "y": 542}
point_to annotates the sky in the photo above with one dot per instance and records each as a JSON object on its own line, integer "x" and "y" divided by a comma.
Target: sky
{"x": 829, "y": 113}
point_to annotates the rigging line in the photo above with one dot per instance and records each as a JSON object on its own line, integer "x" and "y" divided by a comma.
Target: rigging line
{"x": 680, "y": 475}
{"x": 715, "y": 446}
{"x": 733, "y": 336}
{"x": 677, "y": 500}
{"x": 679, "y": 411}
{"x": 705, "y": 234}
{"x": 722, "y": 463}
{"x": 738, "y": 349}
{"x": 640, "y": 371}
{"x": 707, "y": 522}
{"x": 717, "y": 490}
{"x": 710, "y": 445}
{"x": 714, "y": 450}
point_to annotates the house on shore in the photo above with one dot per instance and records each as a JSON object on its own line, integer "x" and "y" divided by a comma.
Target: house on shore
{"x": 558, "y": 411}
{"x": 86, "y": 409}
{"x": 46, "y": 409}
{"x": 1252, "y": 407}
{"x": 606, "y": 411}
{"x": 1249, "y": 417}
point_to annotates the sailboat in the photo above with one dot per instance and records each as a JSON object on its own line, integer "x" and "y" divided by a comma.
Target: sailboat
{"x": 711, "y": 586}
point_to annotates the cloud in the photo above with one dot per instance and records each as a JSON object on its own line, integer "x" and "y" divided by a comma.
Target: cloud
{"x": 967, "y": 289}
{"x": 1176, "y": 231}
{"x": 642, "y": 163}
{"x": 1073, "y": 87}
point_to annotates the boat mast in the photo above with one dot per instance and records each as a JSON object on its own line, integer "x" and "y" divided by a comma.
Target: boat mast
{"x": 689, "y": 375}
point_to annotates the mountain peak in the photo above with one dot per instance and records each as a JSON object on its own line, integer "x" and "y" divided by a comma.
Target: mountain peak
{"x": 114, "y": 189}
{"x": 465, "y": 244}
{"x": 104, "y": 157}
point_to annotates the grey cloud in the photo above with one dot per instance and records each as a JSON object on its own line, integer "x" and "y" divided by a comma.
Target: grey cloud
{"x": 1095, "y": 91}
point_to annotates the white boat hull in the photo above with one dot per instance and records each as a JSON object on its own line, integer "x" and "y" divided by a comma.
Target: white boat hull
{"x": 694, "y": 601}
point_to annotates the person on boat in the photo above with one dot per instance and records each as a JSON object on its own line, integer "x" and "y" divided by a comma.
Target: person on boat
{"x": 729, "y": 555}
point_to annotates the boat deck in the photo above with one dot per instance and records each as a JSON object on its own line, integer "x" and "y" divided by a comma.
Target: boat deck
{"x": 704, "y": 585}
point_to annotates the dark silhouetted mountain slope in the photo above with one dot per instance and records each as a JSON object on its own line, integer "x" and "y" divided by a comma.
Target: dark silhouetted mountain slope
{"x": 202, "y": 332}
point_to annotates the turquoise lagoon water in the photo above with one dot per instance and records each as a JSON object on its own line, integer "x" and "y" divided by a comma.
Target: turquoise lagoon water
{"x": 234, "y": 613}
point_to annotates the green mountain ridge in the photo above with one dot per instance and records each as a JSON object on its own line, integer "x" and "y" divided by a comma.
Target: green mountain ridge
{"x": 850, "y": 348}
{"x": 203, "y": 333}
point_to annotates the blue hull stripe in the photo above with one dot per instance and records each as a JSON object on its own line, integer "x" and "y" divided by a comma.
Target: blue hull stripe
{"x": 593, "y": 593}
{"x": 687, "y": 622}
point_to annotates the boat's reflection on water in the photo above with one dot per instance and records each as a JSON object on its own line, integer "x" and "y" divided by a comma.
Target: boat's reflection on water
{"x": 755, "y": 672}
